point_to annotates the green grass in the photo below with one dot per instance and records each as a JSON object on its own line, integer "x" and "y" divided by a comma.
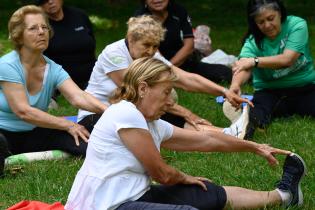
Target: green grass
{"x": 50, "y": 181}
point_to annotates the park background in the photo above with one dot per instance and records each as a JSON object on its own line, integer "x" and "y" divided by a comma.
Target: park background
{"x": 50, "y": 181}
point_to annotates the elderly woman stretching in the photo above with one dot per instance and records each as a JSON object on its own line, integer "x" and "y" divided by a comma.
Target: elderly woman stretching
{"x": 143, "y": 38}
{"x": 27, "y": 81}
{"x": 123, "y": 155}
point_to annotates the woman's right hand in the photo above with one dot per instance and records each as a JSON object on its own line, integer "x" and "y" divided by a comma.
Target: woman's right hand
{"x": 196, "y": 180}
{"x": 78, "y": 131}
{"x": 235, "y": 89}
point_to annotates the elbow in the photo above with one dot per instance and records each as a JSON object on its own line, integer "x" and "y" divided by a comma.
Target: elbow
{"x": 22, "y": 113}
{"x": 287, "y": 62}
{"x": 77, "y": 99}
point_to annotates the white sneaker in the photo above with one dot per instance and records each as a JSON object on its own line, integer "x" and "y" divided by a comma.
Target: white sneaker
{"x": 230, "y": 111}
{"x": 238, "y": 128}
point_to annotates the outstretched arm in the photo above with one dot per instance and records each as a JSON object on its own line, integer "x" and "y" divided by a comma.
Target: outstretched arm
{"x": 140, "y": 143}
{"x": 195, "y": 83}
{"x": 189, "y": 116}
{"x": 189, "y": 140}
{"x": 80, "y": 98}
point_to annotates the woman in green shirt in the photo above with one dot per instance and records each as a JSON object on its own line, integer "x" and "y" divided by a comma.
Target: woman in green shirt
{"x": 276, "y": 54}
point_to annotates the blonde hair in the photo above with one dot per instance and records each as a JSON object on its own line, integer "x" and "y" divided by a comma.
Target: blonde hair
{"x": 145, "y": 69}
{"x": 145, "y": 26}
{"x": 16, "y": 23}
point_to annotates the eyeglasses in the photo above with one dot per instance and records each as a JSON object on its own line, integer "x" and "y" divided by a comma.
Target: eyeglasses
{"x": 36, "y": 29}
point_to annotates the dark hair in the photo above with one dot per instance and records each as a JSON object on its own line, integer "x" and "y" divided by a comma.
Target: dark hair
{"x": 253, "y": 8}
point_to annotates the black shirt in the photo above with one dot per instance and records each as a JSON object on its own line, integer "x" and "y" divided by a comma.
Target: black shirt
{"x": 73, "y": 45}
{"x": 178, "y": 25}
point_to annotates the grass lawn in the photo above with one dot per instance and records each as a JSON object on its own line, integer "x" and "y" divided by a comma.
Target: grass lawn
{"x": 50, "y": 181}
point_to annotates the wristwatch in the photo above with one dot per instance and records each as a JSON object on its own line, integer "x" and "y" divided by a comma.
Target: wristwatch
{"x": 256, "y": 60}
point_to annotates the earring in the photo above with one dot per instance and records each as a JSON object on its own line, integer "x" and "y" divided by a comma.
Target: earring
{"x": 141, "y": 96}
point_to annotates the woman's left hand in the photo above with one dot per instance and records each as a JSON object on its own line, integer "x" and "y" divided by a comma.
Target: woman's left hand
{"x": 244, "y": 64}
{"x": 78, "y": 131}
{"x": 268, "y": 152}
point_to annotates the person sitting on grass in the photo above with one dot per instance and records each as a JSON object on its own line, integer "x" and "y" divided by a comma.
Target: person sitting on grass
{"x": 27, "y": 81}
{"x": 276, "y": 53}
{"x": 73, "y": 44}
{"x": 123, "y": 155}
{"x": 178, "y": 45}
{"x": 143, "y": 38}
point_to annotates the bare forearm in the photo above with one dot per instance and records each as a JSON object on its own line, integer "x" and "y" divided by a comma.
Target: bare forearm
{"x": 180, "y": 57}
{"x": 183, "y": 53}
{"x": 220, "y": 142}
{"x": 195, "y": 83}
{"x": 179, "y": 110}
{"x": 42, "y": 119}
{"x": 209, "y": 141}
{"x": 88, "y": 102}
{"x": 169, "y": 176}
{"x": 240, "y": 78}
{"x": 276, "y": 62}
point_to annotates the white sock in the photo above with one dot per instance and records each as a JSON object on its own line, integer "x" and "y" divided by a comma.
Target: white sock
{"x": 285, "y": 196}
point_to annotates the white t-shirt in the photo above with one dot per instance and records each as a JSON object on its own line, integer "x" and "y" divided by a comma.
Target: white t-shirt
{"x": 111, "y": 174}
{"x": 114, "y": 57}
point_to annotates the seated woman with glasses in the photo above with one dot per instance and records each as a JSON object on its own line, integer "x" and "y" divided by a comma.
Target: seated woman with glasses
{"x": 27, "y": 81}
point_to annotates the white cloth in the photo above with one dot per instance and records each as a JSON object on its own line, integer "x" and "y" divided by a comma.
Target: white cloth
{"x": 219, "y": 57}
{"x": 110, "y": 174}
{"x": 114, "y": 57}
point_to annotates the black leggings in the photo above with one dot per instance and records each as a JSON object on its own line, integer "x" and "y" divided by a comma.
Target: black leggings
{"x": 180, "y": 197}
{"x": 284, "y": 102}
{"x": 43, "y": 139}
{"x": 213, "y": 72}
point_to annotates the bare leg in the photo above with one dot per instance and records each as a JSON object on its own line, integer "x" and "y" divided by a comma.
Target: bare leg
{"x": 241, "y": 198}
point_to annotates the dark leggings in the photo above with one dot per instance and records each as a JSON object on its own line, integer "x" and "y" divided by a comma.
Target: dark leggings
{"x": 213, "y": 72}
{"x": 43, "y": 139}
{"x": 180, "y": 197}
{"x": 270, "y": 104}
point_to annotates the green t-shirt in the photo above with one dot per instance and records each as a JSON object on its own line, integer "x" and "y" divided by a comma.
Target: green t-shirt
{"x": 293, "y": 36}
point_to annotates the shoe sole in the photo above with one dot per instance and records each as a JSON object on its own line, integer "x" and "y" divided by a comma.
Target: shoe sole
{"x": 245, "y": 123}
{"x": 230, "y": 112}
{"x": 300, "y": 200}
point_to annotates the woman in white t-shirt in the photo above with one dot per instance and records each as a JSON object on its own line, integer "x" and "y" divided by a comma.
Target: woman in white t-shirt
{"x": 143, "y": 38}
{"x": 123, "y": 155}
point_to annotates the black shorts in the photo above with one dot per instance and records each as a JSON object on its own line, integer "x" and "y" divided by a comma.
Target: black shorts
{"x": 193, "y": 195}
